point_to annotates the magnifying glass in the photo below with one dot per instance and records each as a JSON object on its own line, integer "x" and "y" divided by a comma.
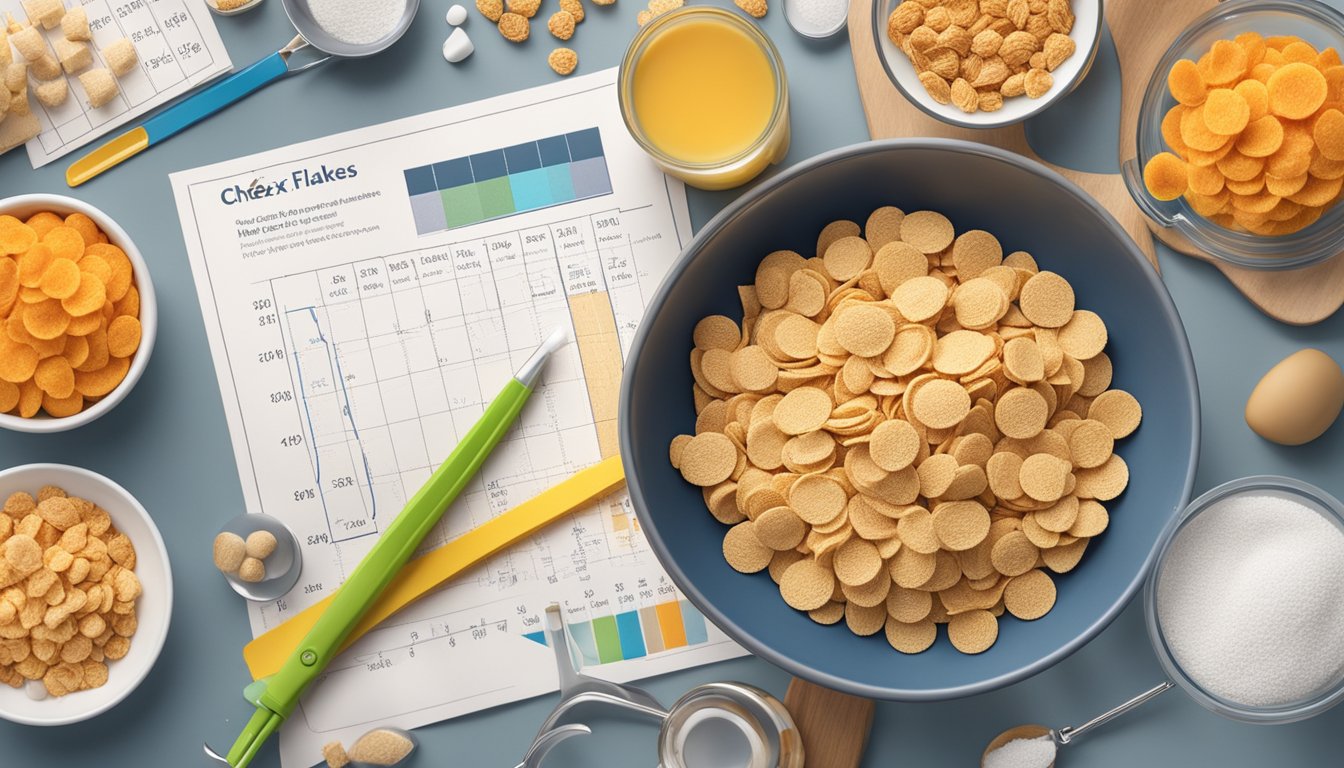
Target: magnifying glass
{"x": 198, "y": 106}
{"x": 716, "y": 725}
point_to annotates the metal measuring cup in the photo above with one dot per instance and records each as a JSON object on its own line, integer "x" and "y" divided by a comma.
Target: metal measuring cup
{"x": 761, "y": 731}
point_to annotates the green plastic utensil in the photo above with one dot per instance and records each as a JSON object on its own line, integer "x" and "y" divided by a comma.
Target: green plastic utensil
{"x": 275, "y": 697}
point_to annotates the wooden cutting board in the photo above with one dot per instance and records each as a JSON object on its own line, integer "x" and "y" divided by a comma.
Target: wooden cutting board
{"x": 1298, "y": 297}
{"x": 834, "y": 725}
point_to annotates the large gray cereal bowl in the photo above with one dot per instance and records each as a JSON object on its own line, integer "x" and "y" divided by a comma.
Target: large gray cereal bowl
{"x": 1029, "y": 208}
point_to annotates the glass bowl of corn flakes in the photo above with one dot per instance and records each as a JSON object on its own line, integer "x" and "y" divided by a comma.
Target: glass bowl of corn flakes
{"x": 986, "y": 63}
{"x": 1240, "y": 137}
{"x": 78, "y": 316}
{"x": 108, "y": 603}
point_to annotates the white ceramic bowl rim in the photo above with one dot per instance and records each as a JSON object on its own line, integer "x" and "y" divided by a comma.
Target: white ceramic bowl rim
{"x": 149, "y": 315}
{"x": 1086, "y": 34}
{"x": 125, "y": 675}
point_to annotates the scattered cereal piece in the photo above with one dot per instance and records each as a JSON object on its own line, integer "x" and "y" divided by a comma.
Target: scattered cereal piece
{"x": 973, "y": 631}
{"x": 514, "y": 27}
{"x": 260, "y": 544}
{"x": 574, "y": 8}
{"x": 491, "y": 9}
{"x": 1226, "y": 112}
{"x": 123, "y": 336}
{"x": 73, "y": 55}
{"x": 29, "y": 43}
{"x": 1186, "y": 84}
{"x": 708, "y": 459}
{"x": 381, "y": 747}
{"x": 525, "y": 8}
{"x": 45, "y": 67}
{"x": 1296, "y": 91}
{"x": 52, "y": 93}
{"x": 75, "y": 24}
{"x": 754, "y": 8}
{"x": 928, "y": 231}
{"x": 120, "y": 56}
{"x": 99, "y": 86}
{"x": 744, "y": 551}
{"x": 1037, "y": 83}
{"x": 335, "y": 755}
{"x": 1328, "y": 133}
{"x": 911, "y": 638}
{"x": 1047, "y": 300}
{"x": 47, "y": 13}
{"x": 1223, "y": 64}
{"x": 561, "y": 24}
{"x": 1118, "y": 410}
{"x": 806, "y": 585}
{"x": 252, "y": 570}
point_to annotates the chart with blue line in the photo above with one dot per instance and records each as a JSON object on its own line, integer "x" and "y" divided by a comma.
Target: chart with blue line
{"x": 344, "y": 482}
{"x": 503, "y": 182}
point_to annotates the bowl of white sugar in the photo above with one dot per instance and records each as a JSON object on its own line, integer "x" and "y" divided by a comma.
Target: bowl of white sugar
{"x": 1245, "y": 608}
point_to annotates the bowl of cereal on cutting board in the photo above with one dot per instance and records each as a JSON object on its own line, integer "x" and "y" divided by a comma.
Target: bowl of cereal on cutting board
{"x": 77, "y": 312}
{"x": 990, "y": 63}
{"x": 906, "y": 436}
{"x": 86, "y": 594}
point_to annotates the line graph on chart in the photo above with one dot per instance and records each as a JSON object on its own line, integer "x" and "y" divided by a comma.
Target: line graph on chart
{"x": 325, "y": 399}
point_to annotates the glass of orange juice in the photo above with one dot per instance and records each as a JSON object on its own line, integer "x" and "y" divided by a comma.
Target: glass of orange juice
{"x": 703, "y": 91}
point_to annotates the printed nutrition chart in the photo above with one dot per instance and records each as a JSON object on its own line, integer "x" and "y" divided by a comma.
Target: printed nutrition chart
{"x": 365, "y": 295}
{"x": 177, "y": 46}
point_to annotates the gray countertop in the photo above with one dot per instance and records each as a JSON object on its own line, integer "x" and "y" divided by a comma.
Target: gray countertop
{"x": 168, "y": 442}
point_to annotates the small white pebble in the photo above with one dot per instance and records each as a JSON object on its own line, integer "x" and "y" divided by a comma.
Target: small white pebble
{"x": 458, "y": 46}
{"x": 456, "y": 15}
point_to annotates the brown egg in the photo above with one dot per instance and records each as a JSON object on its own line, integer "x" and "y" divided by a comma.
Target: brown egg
{"x": 1298, "y": 399}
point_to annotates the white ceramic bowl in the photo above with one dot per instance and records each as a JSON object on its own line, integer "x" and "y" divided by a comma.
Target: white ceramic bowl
{"x": 153, "y": 609}
{"x": 1086, "y": 35}
{"x": 24, "y": 206}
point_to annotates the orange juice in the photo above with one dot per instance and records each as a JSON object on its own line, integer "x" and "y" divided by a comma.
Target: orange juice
{"x": 704, "y": 93}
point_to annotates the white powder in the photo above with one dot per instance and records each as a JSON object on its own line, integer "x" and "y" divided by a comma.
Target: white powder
{"x": 357, "y": 22}
{"x": 1251, "y": 600}
{"x": 1023, "y": 753}
{"x": 817, "y": 16}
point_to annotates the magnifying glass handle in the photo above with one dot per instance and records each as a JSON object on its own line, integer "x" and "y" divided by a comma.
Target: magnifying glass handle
{"x": 179, "y": 116}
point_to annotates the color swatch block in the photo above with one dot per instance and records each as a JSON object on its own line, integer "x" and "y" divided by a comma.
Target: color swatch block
{"x": 503, "y": 182}
{"x": 636, "y": 633}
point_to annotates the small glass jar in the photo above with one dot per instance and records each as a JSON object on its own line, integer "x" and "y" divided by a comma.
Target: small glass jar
{"x": 1308, "y": 495}
{"x": 738, "y": 167}
{"x": 1317, "y": 24}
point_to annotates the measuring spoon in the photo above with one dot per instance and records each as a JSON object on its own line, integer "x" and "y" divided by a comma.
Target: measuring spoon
{"x": 1067, "y": 734}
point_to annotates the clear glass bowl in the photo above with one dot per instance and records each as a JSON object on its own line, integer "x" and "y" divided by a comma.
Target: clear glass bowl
{"x": 1319, "y": 25}
{"x": 1260, "y": 485}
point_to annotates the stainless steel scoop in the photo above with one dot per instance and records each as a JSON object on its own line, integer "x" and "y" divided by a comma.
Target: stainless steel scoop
{"x": 741, "y": 725}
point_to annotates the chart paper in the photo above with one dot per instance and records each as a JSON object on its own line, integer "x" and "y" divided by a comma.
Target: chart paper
{"x": 365, "y": 295}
